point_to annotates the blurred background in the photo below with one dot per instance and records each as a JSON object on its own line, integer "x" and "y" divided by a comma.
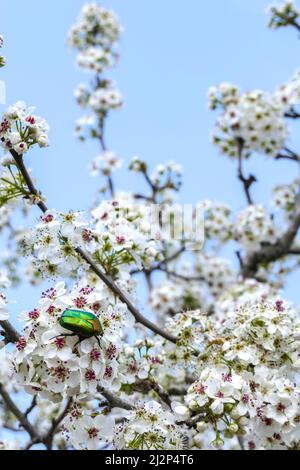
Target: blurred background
{"x": 170, "y": 53}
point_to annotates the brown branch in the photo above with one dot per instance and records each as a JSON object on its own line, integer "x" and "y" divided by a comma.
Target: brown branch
{"x": 19, "y": 415}
{"x": 183, "y": 277}
{"x": 145, "y": 386}
{"x": 247, "y": 182}
{"x": 48, "y": 439}
{"x": 117, "y": 291}
{"x": 165, "y": 261}
{"x": 104, "y": 277}
{"x": 294, "y": 251}
{"x": 104, "y": 149}
{"x": 10, "y": 333}
{"x": 292, "y": 114}
{"x": 31, "y": 407}
{"x": 289, "y": 155}
{"x": 272, "y": 252}
{"x": 36, "y": 438}
{"x": 115, "y": 401}
{"x": 282, "y": 156}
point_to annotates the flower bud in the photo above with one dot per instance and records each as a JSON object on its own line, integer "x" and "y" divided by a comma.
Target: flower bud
{"x": 139, "y": 343}
{"x": 218, "y": 443}
{"x": 198, "y": 440}
{"x": 149, "y": 343}
{"x": 202, "y": 426}
{"x": 193, "y": 405}
{"x": 243, "y": 421}
{"x": 129, "y": 351}
{"x": 228, "y": 407}
{"x": 234, "y": 414}
{"x": 233, "y": 428}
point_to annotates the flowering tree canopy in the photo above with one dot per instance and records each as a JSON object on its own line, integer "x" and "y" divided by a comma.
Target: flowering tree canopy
{"x": 215, "y": 362}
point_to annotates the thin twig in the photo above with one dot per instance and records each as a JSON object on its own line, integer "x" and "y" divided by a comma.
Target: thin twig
{"x": 183, "y": 277}
{"x": 31, "y": 407}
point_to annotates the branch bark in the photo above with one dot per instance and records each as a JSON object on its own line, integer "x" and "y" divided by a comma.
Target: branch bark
{"x": 22, "y": 418}
{"x": 48, "y": 439}
{"x": 115, "y": 401}
{"x": 10, "y": 333}
{"x": 247, "y": 182}
{"x": 272, "y": 252}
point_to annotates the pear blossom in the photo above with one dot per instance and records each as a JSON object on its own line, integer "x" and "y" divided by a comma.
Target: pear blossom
{"x": 20, "y": 129}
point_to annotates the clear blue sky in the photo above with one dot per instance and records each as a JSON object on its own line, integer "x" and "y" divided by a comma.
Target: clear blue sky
{"x": 171, "y": 52}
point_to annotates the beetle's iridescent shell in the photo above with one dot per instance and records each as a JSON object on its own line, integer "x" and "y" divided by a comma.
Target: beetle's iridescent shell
{"x": 84, "y": 324}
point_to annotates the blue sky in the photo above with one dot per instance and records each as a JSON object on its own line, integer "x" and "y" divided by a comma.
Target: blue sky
{"x": 171, "y": 52}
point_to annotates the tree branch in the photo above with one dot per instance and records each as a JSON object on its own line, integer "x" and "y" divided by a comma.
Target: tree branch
{"x": 19, "y": 415}
{"x": 48, "y": 439}
{"x": 10, "y": 333}
{"x": 247, "y": 182}
{"x": 31, "y": 407}
{"x": 272, "y": 252}
{"x": 290, "y": 155}
{"x": 104, "y": 277}
{"x": 145, "y": 386}
{"x": 115, "y": 401}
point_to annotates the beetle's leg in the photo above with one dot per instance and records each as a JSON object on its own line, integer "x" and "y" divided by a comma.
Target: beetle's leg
{"x": 78, "y": 342}
{"x": 64, "y": 335}
{"x": 98, "y": 341}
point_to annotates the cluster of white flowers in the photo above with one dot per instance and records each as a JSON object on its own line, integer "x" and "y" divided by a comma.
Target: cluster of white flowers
{"x": 247, "y": 377}
{"x": 20, "y": 129}
{"x": 283, "y": 14}
{"x": 253, "y": 227}
{"x": 105, "y": 164}
{"x": 228, "y": 376}
{"x": 117, "y": 237}
{"x": 284, "y": 197}
{"x": 137, "y": 362}
{"x": 89, "y": 432}
{"x": 254, "y": 118}
{"x": 164, "y": 181}
{"x": 125, "y": 229}
{"x": 218, "y": 225}
{"x": 162, "y": 170}
{"x": 48, "y": 362}
{"x": 216, "y": 272}
{"x": 2, "y": 58}
{"x": 104, "y": 99}
{"x": 246, "y": 291}
{"x": 100, "y": 100}
{"x": 288, "y": 94}
{"x": 172, "y": 296}
{"x": 150, "y": 427}
{"x": 95, "y": 36}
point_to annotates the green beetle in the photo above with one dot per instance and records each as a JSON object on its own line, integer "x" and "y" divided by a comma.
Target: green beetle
{"x": 83, "y": 324}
